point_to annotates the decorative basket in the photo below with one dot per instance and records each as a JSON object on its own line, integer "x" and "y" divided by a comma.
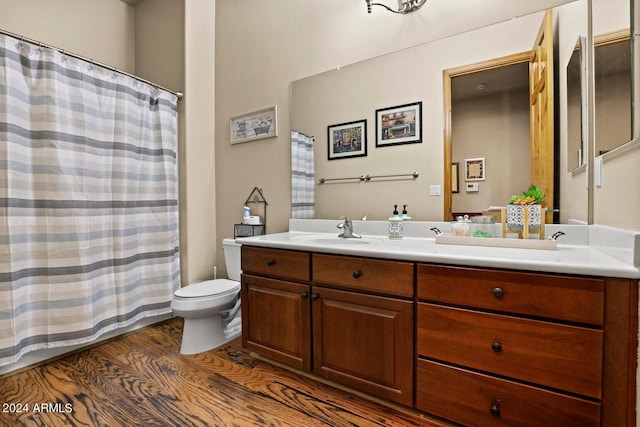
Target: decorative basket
{"x": 515, "y": 216}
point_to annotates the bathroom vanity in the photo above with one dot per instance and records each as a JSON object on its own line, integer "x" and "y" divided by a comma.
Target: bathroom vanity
{"x": 477, "y": 336}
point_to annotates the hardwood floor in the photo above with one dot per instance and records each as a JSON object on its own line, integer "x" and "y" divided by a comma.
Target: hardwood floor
{"x": 141, "y": 379}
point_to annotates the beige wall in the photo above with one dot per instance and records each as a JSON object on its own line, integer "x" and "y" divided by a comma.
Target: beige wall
{"x": 263, "y": 46}
{"x": 355, "y": 91}
{"x": 103, "y": 30}
{"x": 495, "y": 128}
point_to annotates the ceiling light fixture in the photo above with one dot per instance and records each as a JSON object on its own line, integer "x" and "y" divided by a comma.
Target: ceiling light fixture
{"x": 404, "y": 6}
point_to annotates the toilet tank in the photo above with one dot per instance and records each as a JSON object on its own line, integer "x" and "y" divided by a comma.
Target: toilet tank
{"x": 232, "y": 258}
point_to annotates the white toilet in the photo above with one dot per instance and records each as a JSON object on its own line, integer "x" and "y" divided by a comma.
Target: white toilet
{"x": 211, "y": 309}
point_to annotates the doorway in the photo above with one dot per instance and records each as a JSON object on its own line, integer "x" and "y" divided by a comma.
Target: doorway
{"x": 488, "y": 117}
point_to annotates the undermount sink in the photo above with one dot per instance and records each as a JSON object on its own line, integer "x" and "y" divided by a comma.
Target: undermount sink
{"x": 326, "y": 240}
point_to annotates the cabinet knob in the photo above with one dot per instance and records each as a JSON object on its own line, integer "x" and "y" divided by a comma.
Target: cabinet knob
{"x": 496, "y": 347}
{"x": 495, "y": 410}
{"x": 271, "y": 262}
{"x": 314, "y": 297}
{"x": 304, "y": 295}
{"x": 356, "y": 274}
{"x": 497, "y": 292}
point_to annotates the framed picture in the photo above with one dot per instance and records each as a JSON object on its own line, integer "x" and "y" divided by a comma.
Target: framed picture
{"x": 399, "y": 125}
{"x": 474, "y": 169}
{"x": 455, "y": 177}
{"x": 347, "y": 140}
{"x": 255, "y": 125}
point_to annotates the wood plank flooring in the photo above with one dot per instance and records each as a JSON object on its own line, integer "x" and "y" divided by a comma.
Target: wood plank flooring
{"x": 141, "y": 379}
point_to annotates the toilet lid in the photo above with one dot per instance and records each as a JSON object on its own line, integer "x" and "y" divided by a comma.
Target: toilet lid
{"x": 208, "y": 288}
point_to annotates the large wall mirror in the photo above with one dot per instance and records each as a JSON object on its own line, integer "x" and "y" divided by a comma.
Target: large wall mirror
{"x": 354, "y": 93}
{"x": 576, "y": 107}
{"x": 613, "y": 74}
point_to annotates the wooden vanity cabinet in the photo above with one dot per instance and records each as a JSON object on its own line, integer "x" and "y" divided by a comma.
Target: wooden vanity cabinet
{"x": 524, "y": 349}
{"x": 363, "y": 325}
{"x": 476, "y": 346}
{"x": 349, "y": 319}
{"x": 276, "y": 308}
{"x": 364, "y": 342}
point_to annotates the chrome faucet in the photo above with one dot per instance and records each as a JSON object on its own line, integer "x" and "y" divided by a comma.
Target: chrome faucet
{"x": 347, "y": 229}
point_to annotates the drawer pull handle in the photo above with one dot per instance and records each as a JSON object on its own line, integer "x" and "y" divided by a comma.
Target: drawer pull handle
{"x": 314, "y": 297}
{"x": 304, "y": 295}
{"x": 356, "y": 274}
{"x": 496, "y": 347}
{"x": 497, "y": 292}
{"x": 271, "y": 262}
{"x": 495, "y": 410}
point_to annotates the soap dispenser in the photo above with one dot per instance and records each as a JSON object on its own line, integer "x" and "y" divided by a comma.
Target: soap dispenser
{"x": 396, "y": 228}
{"x": 405, "y": 215}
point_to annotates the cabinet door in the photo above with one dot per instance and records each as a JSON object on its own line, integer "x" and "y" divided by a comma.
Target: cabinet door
{"x": 276, "y": 320}
{"x": 364, "y": 342}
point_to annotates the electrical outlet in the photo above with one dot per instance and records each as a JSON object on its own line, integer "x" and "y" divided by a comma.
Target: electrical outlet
{"x": 434, "y": 190}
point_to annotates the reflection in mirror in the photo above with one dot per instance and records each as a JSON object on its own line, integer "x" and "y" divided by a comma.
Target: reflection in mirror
{"x": 490, "y": 119}
{"x": 613, "y": 72}
{"x": 612, "y": 57}
{"x": 355, "y": 92}
{"x": 576, "y": 150}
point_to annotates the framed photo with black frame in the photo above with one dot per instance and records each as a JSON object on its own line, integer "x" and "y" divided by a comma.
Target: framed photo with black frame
{"x": 346, "y": 140}
{"x": 401, "y": 124}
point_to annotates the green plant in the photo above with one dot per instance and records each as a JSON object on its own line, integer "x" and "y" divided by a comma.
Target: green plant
{"x": 531, "y": 196}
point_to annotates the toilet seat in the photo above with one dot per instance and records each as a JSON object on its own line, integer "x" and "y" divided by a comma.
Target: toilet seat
{"x": 208, "y": 288}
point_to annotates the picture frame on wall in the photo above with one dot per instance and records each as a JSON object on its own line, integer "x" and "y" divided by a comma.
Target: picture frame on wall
{"x": 255, "y": 125}
{"x": 474, "y": 169}
{"x": 397, "y": 125}
{"x": 455, "y": 177}
{"x": 346, "y": 140}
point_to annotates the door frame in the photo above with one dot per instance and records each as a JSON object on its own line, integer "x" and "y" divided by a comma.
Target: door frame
{"x": 518, "y": 58}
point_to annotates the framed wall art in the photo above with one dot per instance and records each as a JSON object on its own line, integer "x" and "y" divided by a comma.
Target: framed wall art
{"x": 401, "y": 124}
{"x": 474, "y": 169}
{"x": 455, "y": 177}
{"x": 255, "y": 125}
{"x": 347, "y": 140}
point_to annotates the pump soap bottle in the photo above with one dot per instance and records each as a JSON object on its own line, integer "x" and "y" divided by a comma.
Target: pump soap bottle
{"x": 405, "y": 214}
{"x": 396, "y": 228}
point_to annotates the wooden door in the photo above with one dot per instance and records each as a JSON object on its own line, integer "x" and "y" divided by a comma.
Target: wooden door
{"x": 364, "y": 342}
{"x": 276, "y": 320}
{"x": 542, "y": 116}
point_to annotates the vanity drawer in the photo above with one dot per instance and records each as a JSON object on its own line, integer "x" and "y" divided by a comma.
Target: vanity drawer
{"x": 276, "y": 262}
{"x": 483, "y": 400}
{"x": 559, "y": 356}
{"x": 573, "y": 299}
{"x": 368, "y": 274}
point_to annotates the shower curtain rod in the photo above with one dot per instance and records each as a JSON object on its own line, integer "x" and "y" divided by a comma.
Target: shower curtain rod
{"x": 74, "y": 55}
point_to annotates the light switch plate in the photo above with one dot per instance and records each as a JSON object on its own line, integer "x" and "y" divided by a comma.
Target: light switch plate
{"x": 472, "y": 187}
{"x": 434, "y": 190}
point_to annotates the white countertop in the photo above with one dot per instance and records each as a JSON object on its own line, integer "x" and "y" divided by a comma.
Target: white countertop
{"x": 580, "y": 259}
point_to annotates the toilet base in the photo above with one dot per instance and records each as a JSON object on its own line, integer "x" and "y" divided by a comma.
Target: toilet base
{"x": 202, "y": 334}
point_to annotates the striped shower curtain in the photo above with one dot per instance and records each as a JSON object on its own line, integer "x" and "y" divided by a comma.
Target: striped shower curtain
{"x": 88, "y": 200}
{"x": 302, "y": 177}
